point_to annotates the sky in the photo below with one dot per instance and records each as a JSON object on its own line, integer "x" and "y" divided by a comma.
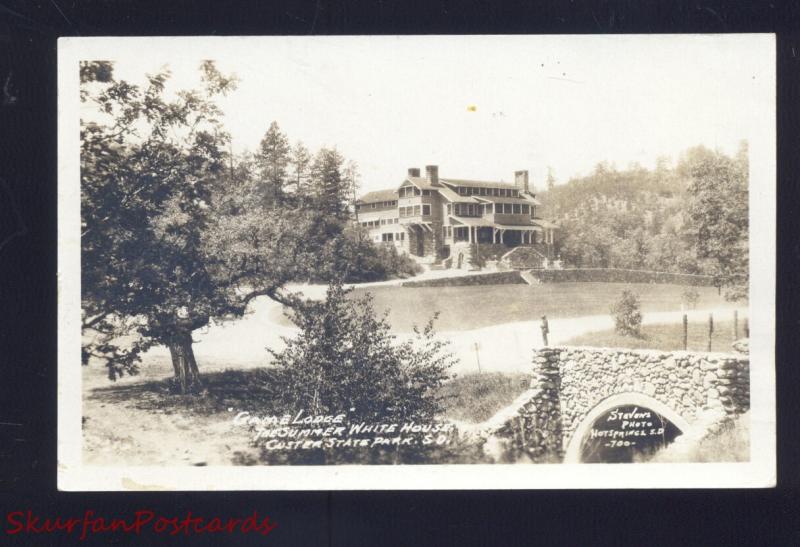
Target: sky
{"x": 479, "y": 107}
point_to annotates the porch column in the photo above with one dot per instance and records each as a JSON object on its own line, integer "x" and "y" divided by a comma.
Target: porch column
{"x": 494, "y": 235}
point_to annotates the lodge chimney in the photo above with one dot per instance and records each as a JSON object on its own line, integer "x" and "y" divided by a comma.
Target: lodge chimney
{"x": 521, "y": 181}
{"x": 413, "y": 172}
{"x": 432, "y": 174}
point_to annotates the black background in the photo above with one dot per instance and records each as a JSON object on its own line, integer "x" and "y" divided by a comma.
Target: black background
{"x": 28, "y": 34}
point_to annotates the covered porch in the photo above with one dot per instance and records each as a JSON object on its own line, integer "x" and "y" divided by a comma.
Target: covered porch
{"x": 477, "y": 230}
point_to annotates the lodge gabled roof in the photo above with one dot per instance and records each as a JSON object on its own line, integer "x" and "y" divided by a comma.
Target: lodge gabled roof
{"x": 378, "y": 196}
{"x": 478, "y": 183}
{"x": 421, "y": 183}
{"x": 451, "y": 196}
{"x": 523, "y": 199}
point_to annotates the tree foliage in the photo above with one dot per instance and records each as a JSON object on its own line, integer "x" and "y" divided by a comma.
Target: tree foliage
{"x": 178, "y": 232}
{"x": 627, "y": 314}
{"x": 717, "y": 214}
{"x": 687, "y": 218}
{"x": 345, "y": 360}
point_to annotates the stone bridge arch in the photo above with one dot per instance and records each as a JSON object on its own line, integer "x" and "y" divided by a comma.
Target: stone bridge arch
{"x": 573, "y": 386}
{"x": 575, "y": 442}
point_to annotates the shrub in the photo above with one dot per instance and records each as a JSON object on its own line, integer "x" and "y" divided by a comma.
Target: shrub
{"x": 627, "y": 314}
{"x": 691, "y": 297}
{"x": 345, "y": 360}
{"x": 475, "y": 258}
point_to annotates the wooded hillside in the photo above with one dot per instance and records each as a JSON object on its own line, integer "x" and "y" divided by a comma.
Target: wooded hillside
{"x": 690, "y": 217}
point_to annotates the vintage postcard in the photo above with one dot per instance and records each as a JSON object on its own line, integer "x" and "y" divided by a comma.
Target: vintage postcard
{"x": 416, "y": 262}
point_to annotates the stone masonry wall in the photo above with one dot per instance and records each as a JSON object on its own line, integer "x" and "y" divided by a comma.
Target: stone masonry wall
{"x": 529, "y": 430}
{"x": 568, "y": 382}
{"x": 687, "y": 382}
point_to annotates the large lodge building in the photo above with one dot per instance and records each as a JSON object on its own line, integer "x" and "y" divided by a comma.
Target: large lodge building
{"x": 438, "y": 218}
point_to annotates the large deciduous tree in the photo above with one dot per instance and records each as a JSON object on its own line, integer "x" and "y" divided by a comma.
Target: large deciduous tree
{"x": 170, "y": 236}
{"x": 717, "y": 215}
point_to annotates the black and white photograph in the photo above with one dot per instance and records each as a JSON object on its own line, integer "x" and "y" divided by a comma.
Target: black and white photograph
{"x": 417, "y": 262}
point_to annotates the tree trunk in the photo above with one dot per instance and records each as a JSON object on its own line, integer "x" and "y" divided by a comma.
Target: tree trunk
{"x": 184, "y": 363}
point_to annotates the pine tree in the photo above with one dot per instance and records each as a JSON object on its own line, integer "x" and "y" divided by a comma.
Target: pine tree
{"x": 330, "y": 185}
{"x": 299, "y": 183}
{"x": 551, "y": 180}
{"x": 272, "y": 161}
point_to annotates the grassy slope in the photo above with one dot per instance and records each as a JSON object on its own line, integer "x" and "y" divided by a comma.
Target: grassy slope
{"x": 663, "y": 337}
{"x": 730, "y": 444}
{"x": 465, "y": 308}
{"x": 477, "y": 397}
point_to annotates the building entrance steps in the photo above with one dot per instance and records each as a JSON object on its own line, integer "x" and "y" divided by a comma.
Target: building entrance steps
{"x": 529, "y": 278}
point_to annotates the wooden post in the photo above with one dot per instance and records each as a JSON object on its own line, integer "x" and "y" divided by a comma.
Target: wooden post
{"x": 685, "y": 332}
{"x": 545, "y": 330}
{"x": 735, "y": 325}
{"x": 746, "y": 328}
{"x": 710, "y": 329}
{"x": 478, "y": 357}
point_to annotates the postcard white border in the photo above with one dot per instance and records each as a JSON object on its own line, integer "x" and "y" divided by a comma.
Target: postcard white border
{"x": 74, "y": 476}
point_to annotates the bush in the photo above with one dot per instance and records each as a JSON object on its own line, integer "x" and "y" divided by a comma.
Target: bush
{"x": 345, "y": 360}
{"x": 358, "y": 259}
{"x": 691, "y": 297}
{"x": 475, "y": 258}
{"x": 627, "y": 314}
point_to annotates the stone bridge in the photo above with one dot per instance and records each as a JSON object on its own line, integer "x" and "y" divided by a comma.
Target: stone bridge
{"x": 595, "y": 404}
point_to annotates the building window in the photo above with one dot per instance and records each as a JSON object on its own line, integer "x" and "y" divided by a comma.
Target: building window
{"x": 449, "y": 209}
{"x": 402, "y": 236}
{"x": 416, "y": 210}
{"x": 449, "y": 231}
{"x": 426, "y": 192}
{"x": 426, "y": 209}
{"x": 533, "y": 211}
{"x": 462, "y": 191}
{"x": 516, "y": 209}
{"x": 417, "y": 192}
{"x": 525, "y": 209}
{"x": 373, "y": 205}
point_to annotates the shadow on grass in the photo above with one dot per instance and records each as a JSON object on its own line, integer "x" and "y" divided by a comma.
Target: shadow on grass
{"x": 237, "y": 389}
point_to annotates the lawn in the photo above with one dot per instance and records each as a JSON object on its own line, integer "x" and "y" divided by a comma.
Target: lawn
{"x": 664, "y": 337}
{"x": 466, "y": 308}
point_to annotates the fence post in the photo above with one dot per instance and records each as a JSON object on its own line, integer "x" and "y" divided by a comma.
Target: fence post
{"x": 746, "y": 328}
{"x": 735, "y": 325}
{"x": 685, "y": 332}
{"x": 478, "y": 357}
{"x": 545, "y": 330}
{"x": 710, "y": 329}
